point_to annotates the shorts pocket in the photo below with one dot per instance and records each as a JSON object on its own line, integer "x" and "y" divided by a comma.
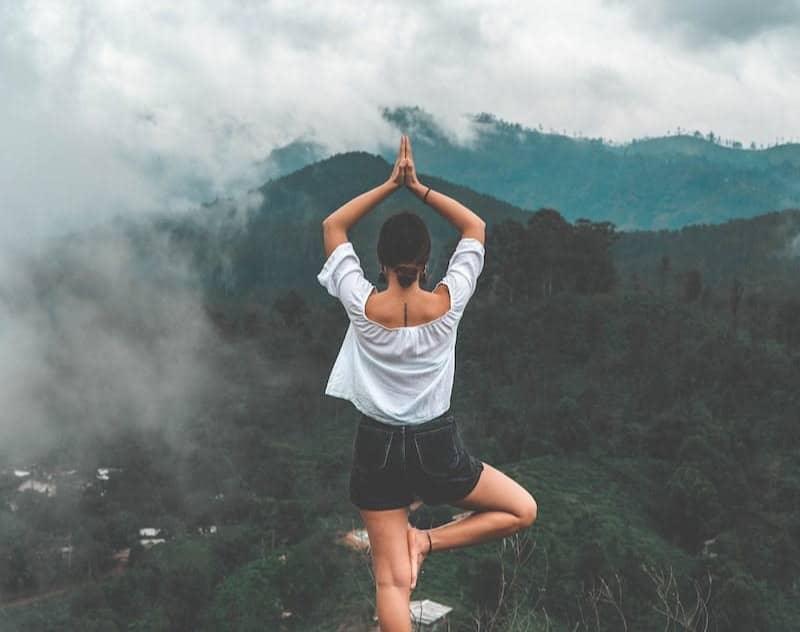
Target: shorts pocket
{"x": 439, "y": 450}
{"x": 371, "y": 448}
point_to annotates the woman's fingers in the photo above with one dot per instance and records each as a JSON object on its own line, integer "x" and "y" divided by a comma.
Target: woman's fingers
{"x": 398, "y": 172}
{"x": 398, "y": 175}
{"x": 405, "y": 161}
{"x": 411, "y": 169}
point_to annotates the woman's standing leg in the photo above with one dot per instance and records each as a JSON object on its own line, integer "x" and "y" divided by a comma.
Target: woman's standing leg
{"x": 388, "y": 540}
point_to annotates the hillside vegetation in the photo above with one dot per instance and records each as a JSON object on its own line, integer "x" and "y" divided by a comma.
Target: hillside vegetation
{"x": 653, "y": 416}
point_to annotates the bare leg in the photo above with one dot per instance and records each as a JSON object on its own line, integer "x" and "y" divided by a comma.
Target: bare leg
{"x": 502, "y": 506}
{"x": 388, "y": 539}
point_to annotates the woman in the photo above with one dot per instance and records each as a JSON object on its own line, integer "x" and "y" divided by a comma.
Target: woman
{"x": 396, "y": 366}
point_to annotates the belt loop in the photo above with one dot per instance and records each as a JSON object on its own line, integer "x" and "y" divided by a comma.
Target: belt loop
{"x": 403, "y": 444}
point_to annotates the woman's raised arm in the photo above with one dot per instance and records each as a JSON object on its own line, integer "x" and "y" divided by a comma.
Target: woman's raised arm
{"x": 335, "y": 226}
{"x": 467, "y": 222}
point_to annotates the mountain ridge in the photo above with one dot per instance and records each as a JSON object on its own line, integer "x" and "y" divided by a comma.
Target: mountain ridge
{"x": 649, "y": 183}
{"x": 277, "y": 247}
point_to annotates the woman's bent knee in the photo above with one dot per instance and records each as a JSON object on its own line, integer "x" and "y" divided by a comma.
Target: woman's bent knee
{"x": 527, "y": 514}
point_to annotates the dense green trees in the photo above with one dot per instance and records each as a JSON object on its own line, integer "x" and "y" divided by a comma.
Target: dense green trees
{"x": 651, "y": 437}
{"x": 548, "y": 255}
{"x": 248, "y": 600}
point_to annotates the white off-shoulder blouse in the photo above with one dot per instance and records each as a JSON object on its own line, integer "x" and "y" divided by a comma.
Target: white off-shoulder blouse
{"x": 398, "y": 375}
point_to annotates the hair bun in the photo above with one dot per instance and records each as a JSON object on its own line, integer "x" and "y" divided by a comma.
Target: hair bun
{"x": 406, "y": 275}
{"x": 404, "y": 238}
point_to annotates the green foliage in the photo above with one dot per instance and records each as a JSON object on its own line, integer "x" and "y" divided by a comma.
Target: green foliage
{"x": 739, "y": 604}
{"x": 547, "y": 255}
{"x": 570, "y": 426}
{"x": 311, "y": 567}
{"x": 249, "y": 599}
{"x": 154, "y": 620}
{"x": 692, "y": 507}
{"x": 757, "y": 251}
{"x": 652, "y": 432}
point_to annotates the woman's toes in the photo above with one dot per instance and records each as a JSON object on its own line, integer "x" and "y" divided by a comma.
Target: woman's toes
{"x": 421, "y": 549}
{"x": 413, "y": 555}
{"x": 422, "y": 546}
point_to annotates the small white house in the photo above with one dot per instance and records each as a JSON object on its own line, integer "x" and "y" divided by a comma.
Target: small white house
{"x": 43, "y": 487}
{"x": 429, "y": 616}
{"x": 356, "y": 539}
{"x": 707, "y": 553}
{"x": 148, "y": 537}
{"x": 104, "y": 473}
{"x": 207, "y": 530}
{"x": 149, "y": 532}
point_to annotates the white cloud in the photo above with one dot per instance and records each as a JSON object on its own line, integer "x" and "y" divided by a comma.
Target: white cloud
{"x": 710, "y": 22}
{"x": 109, "y": 330}
{"x": 118, "y": 107}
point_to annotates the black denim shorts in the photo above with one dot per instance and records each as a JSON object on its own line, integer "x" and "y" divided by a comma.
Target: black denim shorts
{"x": 394, "y": 465}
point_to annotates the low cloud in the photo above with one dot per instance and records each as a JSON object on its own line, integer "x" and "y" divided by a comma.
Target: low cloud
{"x": 107, "y": 329}
{"x": 716, "y": 21}
{"x": 115, "y": 108}
{"x": 101, "y": 334}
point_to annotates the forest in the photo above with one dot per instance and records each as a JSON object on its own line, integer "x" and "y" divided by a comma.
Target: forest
{"x": 642, "y": 386}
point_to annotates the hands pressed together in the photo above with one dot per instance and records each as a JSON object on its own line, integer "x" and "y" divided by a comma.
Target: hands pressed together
{"x": 404, "y": 172}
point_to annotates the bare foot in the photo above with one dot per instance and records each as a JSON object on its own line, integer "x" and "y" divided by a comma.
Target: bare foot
{"x": 417, "y": 552}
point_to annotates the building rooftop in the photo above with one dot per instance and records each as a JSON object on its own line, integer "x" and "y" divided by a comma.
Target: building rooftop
{"x": 427, "y": 611}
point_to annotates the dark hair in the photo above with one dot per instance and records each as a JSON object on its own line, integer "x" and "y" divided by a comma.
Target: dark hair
{"x": 404, "y": 238}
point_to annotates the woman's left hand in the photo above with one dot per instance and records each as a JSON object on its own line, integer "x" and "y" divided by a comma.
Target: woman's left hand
{"x": 398, "y": 172}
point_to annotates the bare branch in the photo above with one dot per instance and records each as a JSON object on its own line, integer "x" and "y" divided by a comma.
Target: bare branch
{"x": 696, "y": 619}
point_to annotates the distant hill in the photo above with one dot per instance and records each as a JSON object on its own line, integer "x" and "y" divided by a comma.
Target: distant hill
{"x": 762, "y": 253}
{"x": 291, "y": 157}
{"x": 656, "y": 183}
{"x": 272, "y": 243}
{"x": 278, "y": 245}
{"x": 699, "y": 147}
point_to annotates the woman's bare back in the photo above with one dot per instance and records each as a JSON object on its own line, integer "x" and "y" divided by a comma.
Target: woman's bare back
{"x": 409, "y": 310}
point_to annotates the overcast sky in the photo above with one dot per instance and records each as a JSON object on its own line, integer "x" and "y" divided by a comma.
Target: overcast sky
{"x": 109, "y": 106}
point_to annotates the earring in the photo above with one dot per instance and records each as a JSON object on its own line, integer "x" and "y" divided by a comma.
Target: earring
{"x": 381, "y": 276}
{"x": 424, "y": 276}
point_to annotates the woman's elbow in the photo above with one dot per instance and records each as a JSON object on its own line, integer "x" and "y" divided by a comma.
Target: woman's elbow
{"x": 476, "y": 230}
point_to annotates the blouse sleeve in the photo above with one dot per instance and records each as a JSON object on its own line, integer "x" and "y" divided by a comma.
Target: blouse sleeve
{"x": 461, "y": 277}
{"x": 343, "y": 277}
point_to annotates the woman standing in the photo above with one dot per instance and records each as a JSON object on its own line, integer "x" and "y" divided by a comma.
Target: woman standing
{"x": 396, "y": 365}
